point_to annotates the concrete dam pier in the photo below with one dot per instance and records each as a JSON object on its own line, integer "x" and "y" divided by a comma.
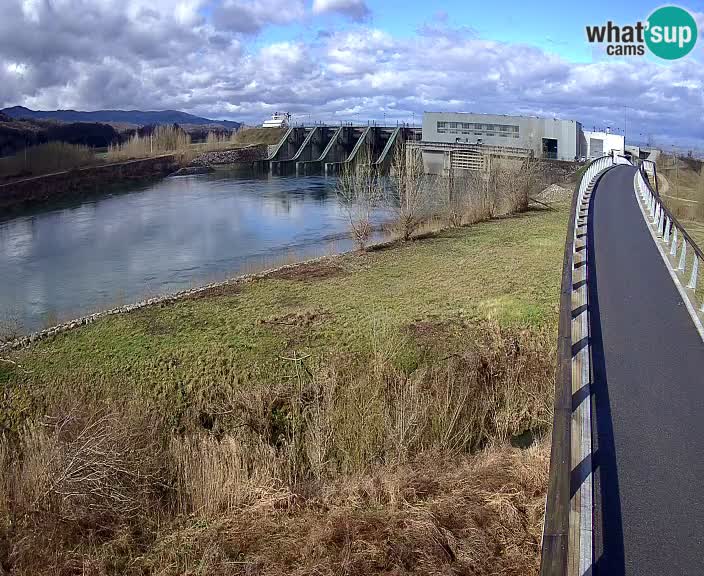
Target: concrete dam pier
{"x": 307, "y": 150}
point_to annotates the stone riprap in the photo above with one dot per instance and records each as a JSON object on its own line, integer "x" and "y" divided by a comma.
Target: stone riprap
{"x": 233, "y": 156}
{"x": 163, "y": 299}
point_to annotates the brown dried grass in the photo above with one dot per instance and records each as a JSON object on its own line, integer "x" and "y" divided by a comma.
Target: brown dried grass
{"x": 347, "y": 465}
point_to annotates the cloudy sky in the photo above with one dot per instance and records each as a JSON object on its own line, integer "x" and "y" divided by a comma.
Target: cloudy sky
{"x": 347, "y": 60}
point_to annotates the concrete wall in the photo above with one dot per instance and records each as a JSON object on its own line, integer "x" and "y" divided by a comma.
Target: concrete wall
{"x": 508, "y": 131}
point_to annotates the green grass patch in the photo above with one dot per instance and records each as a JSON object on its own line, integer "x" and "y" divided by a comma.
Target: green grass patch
{"x": 190, "y": 353}
{"x": 344, "y": 415}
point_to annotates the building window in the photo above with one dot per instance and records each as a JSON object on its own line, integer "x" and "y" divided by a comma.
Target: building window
{"x": 479, "y": 129}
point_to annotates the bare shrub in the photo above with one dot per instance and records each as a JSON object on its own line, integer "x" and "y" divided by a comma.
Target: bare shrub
{"x": 411, "y": 188}
{"x": 359, "y": 191}
{"x": 10, "y": 327}
{"x": 88, "y": 464}
{"x": 510, "y": 183}
{"x": 464, "y": 197}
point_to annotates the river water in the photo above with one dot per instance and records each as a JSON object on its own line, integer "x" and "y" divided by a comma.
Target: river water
{"x": 60, "y": 263}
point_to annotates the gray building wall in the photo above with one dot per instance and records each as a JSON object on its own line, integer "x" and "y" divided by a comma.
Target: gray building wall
{"x": 506, "y": 131}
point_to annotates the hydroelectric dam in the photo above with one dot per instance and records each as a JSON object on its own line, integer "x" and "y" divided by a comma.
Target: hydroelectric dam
{"x": 320, "y": 149}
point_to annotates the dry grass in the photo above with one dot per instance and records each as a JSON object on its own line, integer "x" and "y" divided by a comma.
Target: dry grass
{"x": 682, "y": 186}
{"x": 474, "y": 515}
{"x": 250, "y": 136}
{"x": 164, "y": 140}
{"x": 218, "y": 141}
{"x": 46, "y": 159}
{"x": 309, "y": 474}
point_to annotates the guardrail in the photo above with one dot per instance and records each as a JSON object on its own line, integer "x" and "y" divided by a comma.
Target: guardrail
{"x": 567, "y": 531}
{"x": 686, "y": 257}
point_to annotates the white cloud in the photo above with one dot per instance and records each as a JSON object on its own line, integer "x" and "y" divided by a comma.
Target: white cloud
{"x": 355, "y": 9}
{"x": 251, "y": 17}
{"x": 185, "y": 54}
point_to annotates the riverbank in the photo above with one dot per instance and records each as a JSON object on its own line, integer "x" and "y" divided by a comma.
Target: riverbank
{"x": 80, "y": 183}
{"x": 245, "y": 147}
{"x": 360, "y": 413}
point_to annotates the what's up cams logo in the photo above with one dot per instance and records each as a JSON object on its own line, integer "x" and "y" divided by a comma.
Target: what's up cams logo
{"x": 670, "y": 33}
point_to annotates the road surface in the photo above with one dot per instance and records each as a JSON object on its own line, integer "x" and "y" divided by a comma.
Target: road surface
{"x": 648, "y": 361}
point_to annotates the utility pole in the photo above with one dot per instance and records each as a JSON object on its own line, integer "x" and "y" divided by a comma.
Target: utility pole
{"x": 677, "y": 171}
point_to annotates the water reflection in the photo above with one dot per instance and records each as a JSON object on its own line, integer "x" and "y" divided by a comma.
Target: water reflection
{"x": 178, "y": 233}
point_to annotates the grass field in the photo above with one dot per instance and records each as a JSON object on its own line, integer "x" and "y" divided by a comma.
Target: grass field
{"x": 354, "y": 415}
{"x": 503, "y": 270}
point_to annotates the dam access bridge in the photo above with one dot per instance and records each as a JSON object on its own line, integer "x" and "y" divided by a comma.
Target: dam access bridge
{"x": 321, "y": 149}
{"x": 627, "y": 460}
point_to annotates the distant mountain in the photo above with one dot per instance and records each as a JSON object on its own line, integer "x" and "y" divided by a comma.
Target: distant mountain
{"x": 139, "y": 117}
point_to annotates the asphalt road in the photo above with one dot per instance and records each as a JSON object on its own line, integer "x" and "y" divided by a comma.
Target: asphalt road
{"x": 648, "y": 397}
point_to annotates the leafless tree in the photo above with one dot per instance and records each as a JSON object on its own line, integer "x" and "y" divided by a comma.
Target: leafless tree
{"x": 359, "y": 190}
{"x": 411, "y": 188}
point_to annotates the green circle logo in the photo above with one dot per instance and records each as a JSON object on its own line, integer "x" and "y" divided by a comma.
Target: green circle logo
{"x": 670, "y": 32}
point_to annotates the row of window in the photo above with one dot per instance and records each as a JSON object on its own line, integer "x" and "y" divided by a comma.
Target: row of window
{"x": 478, "y": 129}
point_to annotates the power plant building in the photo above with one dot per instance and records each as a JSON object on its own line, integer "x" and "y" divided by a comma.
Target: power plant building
{"x": 493, "y": 133}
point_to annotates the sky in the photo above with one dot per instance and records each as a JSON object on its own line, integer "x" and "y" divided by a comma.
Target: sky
{"x": 349, "y": 60}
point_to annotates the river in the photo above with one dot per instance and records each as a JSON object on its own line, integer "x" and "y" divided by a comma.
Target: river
{"x": 60, "y": 263}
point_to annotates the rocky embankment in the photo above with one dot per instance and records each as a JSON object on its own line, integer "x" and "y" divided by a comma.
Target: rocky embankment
{"x": 204, "y": 163}
{"x": 232, "y": 156}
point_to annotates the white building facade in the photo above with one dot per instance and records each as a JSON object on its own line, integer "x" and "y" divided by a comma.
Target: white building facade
{"x": 600, "y": 143}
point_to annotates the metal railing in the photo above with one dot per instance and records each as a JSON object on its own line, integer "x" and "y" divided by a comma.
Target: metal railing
{"x": 568, "y": 529}
{"x": 686, "y": 257}
{"x": 565, "y": 550}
